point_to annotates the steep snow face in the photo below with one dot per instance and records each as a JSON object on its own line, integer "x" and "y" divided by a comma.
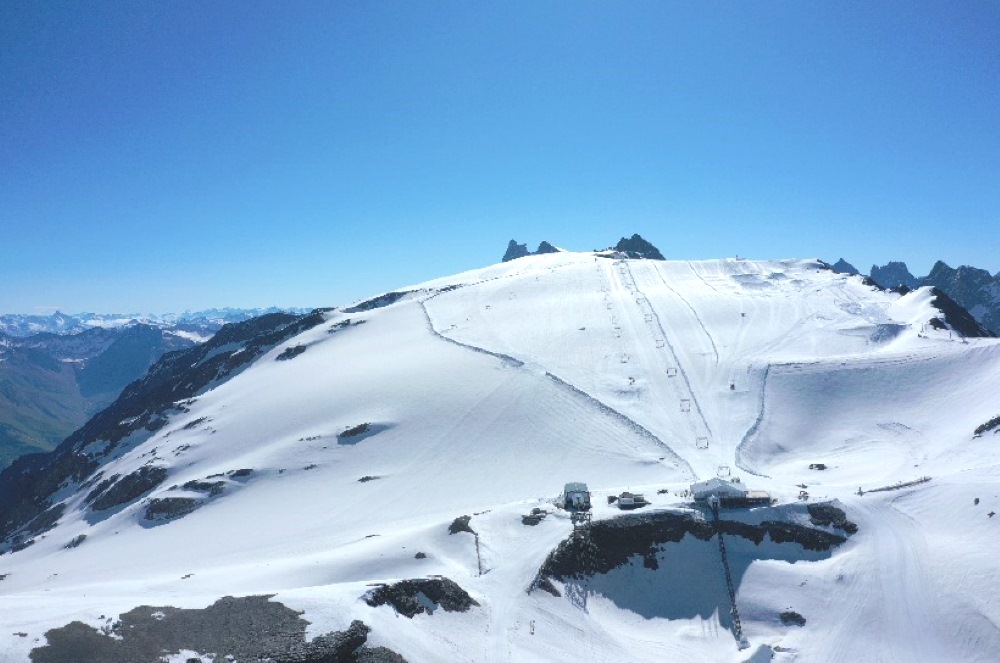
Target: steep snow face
{"x": 339, "y": 455}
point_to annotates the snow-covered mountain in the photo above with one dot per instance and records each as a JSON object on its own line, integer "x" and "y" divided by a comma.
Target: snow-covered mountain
{"x": 974, "y": 289}
{"x": 191, "y": 322}
{"x": 392, "y": 469}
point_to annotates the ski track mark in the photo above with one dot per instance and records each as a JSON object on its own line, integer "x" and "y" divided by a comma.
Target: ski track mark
{"x": 633, "y": 425}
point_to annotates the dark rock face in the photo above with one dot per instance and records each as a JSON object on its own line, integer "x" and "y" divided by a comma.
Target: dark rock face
{"x": 956, "y": 318}
{"x": 130, "y": 487}
{"x": 170, "y": 508}
{"x": 827, "y": 514}
{"x": 404, "y": 596}
{"x": 251, "y": 628}
{"x": 27, "y": 486}
{"x": 213, "y": 488}
{"x": 792, "y": 618}
{"x": 637, "y": 247}
{"x": 290, "y": 353}
{"x": 892, "y": 275}
{"x": 844, "y": 267}
{"x": 460, "y": 524}
{"x": 515, "y": 251}
{"x": 377, "y": 302}
{"x": 991, "y": 425}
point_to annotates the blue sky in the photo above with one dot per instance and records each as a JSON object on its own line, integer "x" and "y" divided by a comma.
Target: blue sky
{"x": 157, "y": 156}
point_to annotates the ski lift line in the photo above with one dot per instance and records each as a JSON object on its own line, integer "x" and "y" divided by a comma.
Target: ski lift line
{"x": 680, "y": 367}
{"x": 730, "y": 587}
{"x": 693, "y": 312}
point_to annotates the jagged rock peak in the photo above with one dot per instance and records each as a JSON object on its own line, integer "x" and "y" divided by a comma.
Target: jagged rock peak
{"x": 893, "y": 274}
{"x": 844, "y": 267}
{"x": 515, "y": 250}
{"x": 637, "y": 247}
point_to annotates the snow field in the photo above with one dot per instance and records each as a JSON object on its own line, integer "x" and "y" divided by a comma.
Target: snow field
{"x": 781, "y": 364}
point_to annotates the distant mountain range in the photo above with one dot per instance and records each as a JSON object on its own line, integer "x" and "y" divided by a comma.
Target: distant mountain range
{"x": 59, "y": 370}
{"x": 974, "y": 289}
{"x": 23, "y": 324}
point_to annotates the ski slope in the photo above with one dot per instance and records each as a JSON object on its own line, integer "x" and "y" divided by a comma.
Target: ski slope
{"x": 489, "y": 390}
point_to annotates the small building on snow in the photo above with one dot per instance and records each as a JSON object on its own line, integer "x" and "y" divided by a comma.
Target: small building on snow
{"x": 727, "y": 493}
{"x": 576, "y": 496}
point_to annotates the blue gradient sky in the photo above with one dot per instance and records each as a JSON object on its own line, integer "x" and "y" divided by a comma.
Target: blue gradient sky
{"x": 157, "y": 156}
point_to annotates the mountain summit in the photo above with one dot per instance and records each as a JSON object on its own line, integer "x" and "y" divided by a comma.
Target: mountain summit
{"x": 636, "y": 247}
{"x": 515, "y": 250}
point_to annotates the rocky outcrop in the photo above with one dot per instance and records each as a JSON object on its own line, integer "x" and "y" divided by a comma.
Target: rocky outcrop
{"x": 422, "y": 595}
{"x": 636, "y": 247}
{"x": 251, "y": 628}
{"x": 170, "y": 508}
{"x": 128, "y": 489}
{"x": 377, "y": 302}
{"x": 827, "y": 515}
{"x": 991, "y": 425}
{"x": 515, "y": 250}
{"x": 956, "y": 318}
{"x": 461, "y": 524}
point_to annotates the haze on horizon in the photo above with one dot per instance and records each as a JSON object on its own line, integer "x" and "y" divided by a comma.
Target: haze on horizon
{"x": 186, "y": 155}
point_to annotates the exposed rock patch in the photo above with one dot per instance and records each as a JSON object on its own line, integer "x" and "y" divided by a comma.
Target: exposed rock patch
{"x": 170, "y": 508}
{"x": 251, "y": 628}
{"x": 130, "y": 487}
{"x": 422, "y": 595}
{"x": 75, "y": 541}
{"x": 291, "y": 352}
{"x": 827, "y": 514}
{"x": 212, "y": 488}
{"x": 536, "y": 516}
{"x": 377, "y": 302}
{"x": 461, "y": 524}
{"x": 792, "y": 618}
{"x": 360, "y": 432}
{"x": 991, "y": 425}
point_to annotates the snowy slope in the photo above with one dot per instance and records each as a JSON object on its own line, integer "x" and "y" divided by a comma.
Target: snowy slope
{"x": 489, "y": 390}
